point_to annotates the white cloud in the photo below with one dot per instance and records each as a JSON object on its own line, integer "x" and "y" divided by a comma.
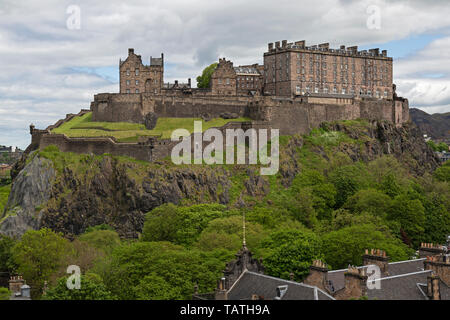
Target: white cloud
{"x": 38, "y": 54}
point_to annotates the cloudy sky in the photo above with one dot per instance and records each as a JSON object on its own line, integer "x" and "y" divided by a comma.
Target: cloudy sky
{"x": 56, "y": 54}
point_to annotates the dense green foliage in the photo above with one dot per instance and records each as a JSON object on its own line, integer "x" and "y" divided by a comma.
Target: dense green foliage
{"x": 4, "y": 193}
{"x": 91, "y": 288}
{"x": 38, "y": 255}
{"x": 204, "y": 80}
{"x": 442, "y": 146}
{"x": 4, "y": 294}
{"x": 6, "y": 254}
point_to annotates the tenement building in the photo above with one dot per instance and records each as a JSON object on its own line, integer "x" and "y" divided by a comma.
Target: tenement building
{"x": 296, "y": 69}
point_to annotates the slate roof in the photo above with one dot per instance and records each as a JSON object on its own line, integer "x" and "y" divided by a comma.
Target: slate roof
{"x": 408, "y": 266}
{"x": 250, "y": 283}
{"x": 400, "y": 287}
{"x": 445, "y": 291}
{"x": 394, "y": 269}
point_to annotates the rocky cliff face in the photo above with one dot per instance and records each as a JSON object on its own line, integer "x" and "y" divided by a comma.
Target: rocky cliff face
{"x": 30, "y": 190}
{"x": 69, "y": 192}
{"x": 406, "y": 143}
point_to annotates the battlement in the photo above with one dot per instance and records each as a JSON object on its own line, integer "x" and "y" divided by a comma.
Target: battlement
{"x": 325, "y": 48}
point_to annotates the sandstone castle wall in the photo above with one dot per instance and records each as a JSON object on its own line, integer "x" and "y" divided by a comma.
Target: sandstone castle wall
{"x": 290, "y": 115}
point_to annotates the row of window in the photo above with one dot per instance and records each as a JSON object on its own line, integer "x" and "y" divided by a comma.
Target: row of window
{"x": 128, "y": 82}
{"x": 227, "y": 81}
{"x": 136, "y": 72}
{"x": 136, "y": 82}
{"x": 128, "y": 91}
{"x": 368, "y": 92}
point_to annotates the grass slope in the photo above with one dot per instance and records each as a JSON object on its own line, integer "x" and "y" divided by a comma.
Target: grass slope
{"x": 129, "y": 132}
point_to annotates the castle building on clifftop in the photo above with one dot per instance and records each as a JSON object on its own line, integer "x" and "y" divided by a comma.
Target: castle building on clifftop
{"x": 289, "y": 70}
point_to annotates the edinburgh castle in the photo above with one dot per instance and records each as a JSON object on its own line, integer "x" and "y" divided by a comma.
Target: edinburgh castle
{"x": 296, "y": 89}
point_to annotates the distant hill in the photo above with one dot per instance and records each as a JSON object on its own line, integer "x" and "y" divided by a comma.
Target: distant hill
{"x": 436, "y": 125}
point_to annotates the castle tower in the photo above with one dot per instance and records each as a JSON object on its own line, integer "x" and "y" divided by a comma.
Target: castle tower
{"x": 137, "y": 78}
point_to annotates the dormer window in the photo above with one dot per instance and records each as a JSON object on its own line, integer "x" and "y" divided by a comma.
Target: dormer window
{"x": 128, "y": 72}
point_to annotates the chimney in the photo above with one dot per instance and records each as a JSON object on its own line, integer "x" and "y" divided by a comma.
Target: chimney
{"x": 189, "y": 82}
{"x": 384, "y": 53}
{"x": 377, "y": 257}
{"x": 301, "y": 44}
{"x": 433, "y": 287}
{"x": 270, "y": 46}
{"x": 353, "y": 49}
{"x": 283, "y": 44}
{"x": 130, "y": 51}
{"x": 430, "y": 249}
{"x": 318, "y": 275}
{"x": 277, "y": 44}
{"x": 440, "y": 265}
{"x": 221, "y": 291}
{"x": 342, "y": 47}
{"x": 324, "y": 45}
{"x": 375, "y": 51}
{"x": 355, "y": 284}
{"x": 15, "y": 284}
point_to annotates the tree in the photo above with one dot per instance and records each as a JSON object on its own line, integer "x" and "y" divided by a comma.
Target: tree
{"x": 312, "y": 184}
{"x": 204, "y": 80}
{"x": 5, "y": 294}
{"x": 443, "y": 172}
{"x": 348, "y": 180}
{"x": 103, "y": 239}
{"x": 390, "y": 186}
{"x": 136, "y": 270}
{"x": 291, "y": 250}
{"x": 6, "y": 250}
{"x": 437, "y": 225}
{"x": 181, "y": 225}
{"x": 442, "y": 147}
{"x": 227, "y": 233}
{"x": 369, "y": 200}
{"x": 432, "y": 145}
{"x": 411, "y": 216}
{"x": 38, "y": 255}
{"x": 91, "y": 288}
{"x": 347, "y": 245}
{"x": 161, "y": 224}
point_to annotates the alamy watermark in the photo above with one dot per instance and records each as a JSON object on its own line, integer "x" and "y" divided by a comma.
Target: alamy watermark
{"x": 373, "y": 21}
{"x": 74, "y": 280}
{"x": 214, "y": 153}
{"x": 73, "y": 22}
